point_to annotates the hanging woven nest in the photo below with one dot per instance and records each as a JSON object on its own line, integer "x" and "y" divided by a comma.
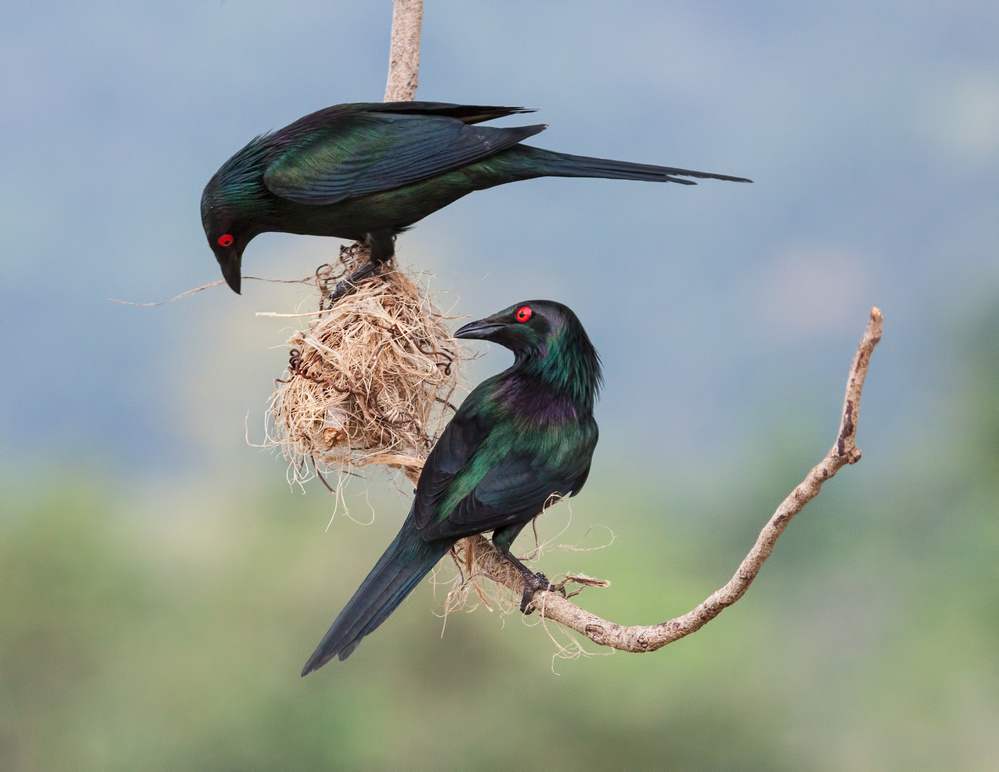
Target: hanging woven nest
{"x": 370, "y": 379}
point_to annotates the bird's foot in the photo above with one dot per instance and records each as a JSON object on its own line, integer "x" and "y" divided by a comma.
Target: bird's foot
{"x": 349, "y": 284}
{"x": 532, "y": 584}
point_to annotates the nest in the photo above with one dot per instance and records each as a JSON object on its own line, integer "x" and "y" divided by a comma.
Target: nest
{"x": 370, "y": 380}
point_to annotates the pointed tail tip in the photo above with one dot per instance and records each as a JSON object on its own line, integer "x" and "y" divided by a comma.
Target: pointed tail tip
{"x": 314, "y": 664}
{"x": 677, "y": 175}
{"x": 713, "y": 176}
{"x": 321, "y": 657}
{"x": 309, "y": 667}
{"x": 705, "y": 176}
{"x": 316, "y": 661}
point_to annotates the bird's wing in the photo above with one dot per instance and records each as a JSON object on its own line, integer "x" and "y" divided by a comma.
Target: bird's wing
{"x": 359, "y": 154}
{"x": 503, "y": 483}
{"x": 463, "y": 436}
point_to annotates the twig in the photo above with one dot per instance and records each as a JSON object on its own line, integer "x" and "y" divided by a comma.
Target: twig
{"x": 643, "y": 638}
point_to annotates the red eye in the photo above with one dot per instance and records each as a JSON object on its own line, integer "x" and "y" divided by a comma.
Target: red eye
{"x": 225, "y": 241}
{"x": 523, "y": 313}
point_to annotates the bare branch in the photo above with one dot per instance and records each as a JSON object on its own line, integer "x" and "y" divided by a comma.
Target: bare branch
{"x": 404, "y": 58}
{"x": 477, "y": 551}
{"x": 642, "y": 638}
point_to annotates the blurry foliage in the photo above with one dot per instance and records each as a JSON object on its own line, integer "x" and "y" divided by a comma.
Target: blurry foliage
{"x": 165, "y": 629}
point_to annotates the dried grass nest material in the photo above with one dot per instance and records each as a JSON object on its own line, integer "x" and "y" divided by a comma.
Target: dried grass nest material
{"x": 370, "y": 378}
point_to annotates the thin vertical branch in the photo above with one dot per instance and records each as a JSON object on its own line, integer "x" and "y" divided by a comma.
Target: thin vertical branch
{"x": 404, "y": 58}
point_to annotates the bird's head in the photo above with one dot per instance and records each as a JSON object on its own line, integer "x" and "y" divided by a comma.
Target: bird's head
{"x": 227, "y": 236}
{"x": 234, "y": 208}
{"x": 522, "y": 328}
{"x": 548, "y": 341}
{"x": 227, "y": 242}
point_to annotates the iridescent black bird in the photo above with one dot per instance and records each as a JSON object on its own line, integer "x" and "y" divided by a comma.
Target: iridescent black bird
{"x": 519, "y": 439}
{"x": 368, "y": 171}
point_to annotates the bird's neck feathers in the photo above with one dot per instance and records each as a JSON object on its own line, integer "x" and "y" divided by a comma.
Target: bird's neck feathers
{"x": 567, "y": 363}
{"x": 236, "y": 188}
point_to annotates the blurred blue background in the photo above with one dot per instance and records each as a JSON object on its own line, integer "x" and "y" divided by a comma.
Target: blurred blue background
{"x": 162, "y": 585}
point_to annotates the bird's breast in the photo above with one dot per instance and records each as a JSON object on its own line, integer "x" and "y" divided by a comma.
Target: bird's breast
{"x": 538, "y": 406}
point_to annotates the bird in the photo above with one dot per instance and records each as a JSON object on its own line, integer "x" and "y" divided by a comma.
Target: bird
{"x": 519, "y": 440}
{"x": 368, "y": 171}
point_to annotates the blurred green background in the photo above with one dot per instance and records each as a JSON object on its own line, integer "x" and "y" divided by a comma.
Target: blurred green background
{"x": 162, "y": 584}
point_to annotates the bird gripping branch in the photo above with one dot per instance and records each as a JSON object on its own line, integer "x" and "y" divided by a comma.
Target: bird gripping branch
{"x": 519, "y": 439}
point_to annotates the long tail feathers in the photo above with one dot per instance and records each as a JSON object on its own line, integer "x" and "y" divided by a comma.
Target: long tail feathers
{"x": 554, "y": 164}
{"x": 398, "y": 571}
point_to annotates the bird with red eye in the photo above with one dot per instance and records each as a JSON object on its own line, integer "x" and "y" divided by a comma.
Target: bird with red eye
{"x": 369, "y": 171}
{"x": 225, "y": 240}
{"x": 520, "y": 327}
{"x": 493, "y": 468}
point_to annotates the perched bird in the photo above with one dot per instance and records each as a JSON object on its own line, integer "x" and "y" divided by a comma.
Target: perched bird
{"x": 367, "y": 171}
{"x": 519, "y": 439}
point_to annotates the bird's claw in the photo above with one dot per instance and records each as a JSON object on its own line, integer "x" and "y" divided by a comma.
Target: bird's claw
{"x": 532, "y": 584}
{"x": 341, "y": 289}
{"x": 366, "y": 271}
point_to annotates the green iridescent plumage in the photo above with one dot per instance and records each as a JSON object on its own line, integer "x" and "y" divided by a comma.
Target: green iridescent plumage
{"x": 518, "y": 439}
{"x": 368, "y": 171}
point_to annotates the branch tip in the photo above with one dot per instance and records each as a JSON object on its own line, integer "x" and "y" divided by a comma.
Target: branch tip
{"x": 645, "y": 638}
{"x": 404, "y": 62}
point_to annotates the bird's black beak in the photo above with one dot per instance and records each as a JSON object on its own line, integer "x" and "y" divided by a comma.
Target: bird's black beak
{"x": 482, "y": 329}
{"x": 231, "y": 263}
